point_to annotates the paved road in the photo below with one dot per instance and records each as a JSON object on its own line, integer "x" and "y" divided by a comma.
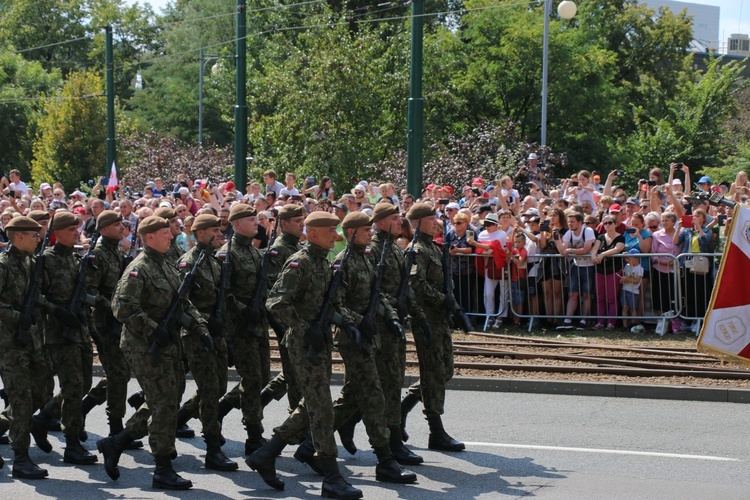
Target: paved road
{"x": 518, "y": 445}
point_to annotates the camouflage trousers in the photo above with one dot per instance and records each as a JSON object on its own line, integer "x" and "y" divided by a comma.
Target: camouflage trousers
{"x": 73, "y": 364}
{"x": 23, "y": 373}
{"x": 118, "y": 375}
{"x": 98, "y": 393}
{"x": 162, "y": 385}
{"x": 210, "y": 375}
{"x": 315, "y": 411}
{"x": 252, "y": 358}
{"x": 435, "y": 365}
{"x": 362, "y": 381}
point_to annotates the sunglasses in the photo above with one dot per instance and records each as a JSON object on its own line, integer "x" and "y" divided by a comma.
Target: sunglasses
{"x": 654, "y": 228}
{"x": 608, "y": 223}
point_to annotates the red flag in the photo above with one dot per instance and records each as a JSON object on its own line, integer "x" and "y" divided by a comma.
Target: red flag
{"x": 112, "y": 186}
{"x": 726, "y": 330}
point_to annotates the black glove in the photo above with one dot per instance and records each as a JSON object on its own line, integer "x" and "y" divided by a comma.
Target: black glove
{"x": 463, "y": 321}
{"x": 367, "y": 327}
{"x": 215, "y": 326}
{"x": 66, "y": 317}
{"x": 450, "y": 302}
{"x": 359, "y": 339}
{"x": 426, "y": 330}
{"x": 395, "y": 327}
{"x": 208, "y": 342}
{"x": 402, "y": 310}
{"x": 253, "y": 315}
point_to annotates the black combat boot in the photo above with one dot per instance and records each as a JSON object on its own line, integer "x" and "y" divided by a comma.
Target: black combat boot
{"x": 115, "y": 427}
{"x": 407, "y": 405}
{"x": 2, "y": 463}
{"x": 346, "y": 432}
{"x": 75, "y": 453}
{"x": 264, "y": 461}
{"x": 388, "y": 470}
{"x": 87, "y": 404}
{"x": 183, "y": 431}
{"x": 165, "y": 478}
{"x": 215, "y": 458}
{"x": 334, "y": 485}
{"x": 401, "y": 453}
{"x": 225, "y": 406}
{"x": 255, "y": 440}
{"x": 4, "y": 396}
{"x": 39, "y": 433}
{"x": 306, "y": 454}
{"x": 24, "y": 468}
{"x": 111, "y": 448}
{"x": 439, "y": 439}
{"x": 137, "y": 400}
{"x": 4, "y": 439}
{"x": 266, "y": 396}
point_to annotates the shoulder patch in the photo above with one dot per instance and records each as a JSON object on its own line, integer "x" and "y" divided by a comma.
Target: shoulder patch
{"x": 274, "y": 252}
{"x": 92, "y": 257}
{"x": 294, "y": 264}
{"x": 134, "y": 273}
{"x": 368, "y": 250}
{"x": 183, "y": 264}
{"x": 337, "y": 266}
{"x": 222, "y": 256}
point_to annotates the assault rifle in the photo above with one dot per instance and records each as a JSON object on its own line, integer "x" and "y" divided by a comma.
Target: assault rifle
{"x": 261, "y": 287}
{"x": 368, "y": 318}
{"x": 79, "y": 293}
{"x": 319, "y": 333}
{"x": 403, "y": 286}
{"x": 458, "y": 314}
{"x": 32, "y": 293}
{"x": 221, "y": 298}
{"x": 133, "y": 252}
{"x": 162, "y": 333}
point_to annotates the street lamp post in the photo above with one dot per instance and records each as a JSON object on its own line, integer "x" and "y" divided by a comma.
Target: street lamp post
{"x": 203, "y": 60}
{"x": 567, "y": 9}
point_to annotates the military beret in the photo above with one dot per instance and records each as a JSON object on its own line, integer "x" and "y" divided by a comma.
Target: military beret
{"x": 419, "y": 210}
{"x": 239, "y": 211}
{"x": 151, "y": 224}
{"x": 206, "y": 221}
{"x": 64, "y": 220}
{"x": 383, "y": 210}
{"x": 39, "y": 215}
{"x": 356, "y": 219}
{"x": 290, "y": 211}
{"x": 321, "y": 219}
{"x": 107, "y": 218}
{"x": 22, "y": 223}
{"x": 165, "y": 213}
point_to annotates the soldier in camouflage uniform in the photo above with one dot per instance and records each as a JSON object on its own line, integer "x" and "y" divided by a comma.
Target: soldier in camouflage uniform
{"x": 247, "y": 328}
{"x": 296, "y": 299}
{"x": 66, "y": 333}
{"x": 142, "y": 297}
{"x": 434, "y": 348}
{"x": 175, "y": 252}
{"x": 22, "y": 366}
{"x": 390, "y": 354}
{"x": 209, "y": 368}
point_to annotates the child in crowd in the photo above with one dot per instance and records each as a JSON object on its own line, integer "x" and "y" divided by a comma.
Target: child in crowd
{"x": 518, "y": 275}
{"x": 631, "y": 281}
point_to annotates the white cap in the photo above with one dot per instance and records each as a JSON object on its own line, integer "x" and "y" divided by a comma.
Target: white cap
{"x": 533, "y": 156}
{"x": 165, "y": 204}
{"x": 184, "y": 190}
{"x": 677, "y": 181}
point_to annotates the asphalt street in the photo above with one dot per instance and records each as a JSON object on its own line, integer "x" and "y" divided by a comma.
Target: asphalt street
{"x": 518, "y": 445}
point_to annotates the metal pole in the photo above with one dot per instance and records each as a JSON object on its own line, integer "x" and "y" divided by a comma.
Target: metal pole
{"x": 111, "y": 145}
{"x": 415, "y": 110}
{"x": 200, "y": 100}
{"x": 545, "y": 63}
{"x": 240, "y": 110}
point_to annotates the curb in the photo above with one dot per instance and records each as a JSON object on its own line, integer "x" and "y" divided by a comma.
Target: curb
{"x": 541, "y": 386}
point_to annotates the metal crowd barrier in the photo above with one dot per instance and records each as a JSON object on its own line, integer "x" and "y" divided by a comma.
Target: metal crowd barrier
{"x": 669, "y": 290}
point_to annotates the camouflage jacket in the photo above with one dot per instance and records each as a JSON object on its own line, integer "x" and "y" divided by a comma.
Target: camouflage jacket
{"x": 16, "y": 268}
{"x": 205, "y": 287}
{"x": 426, "y": 276}
{"x": 174, "y": 253}
{"x": 245, "y": 260}
{"x": 101, "y": 281}
{"x": 61, "y": 268}
{"x": 282, "y": 249}
{"x": 394, "y": 268}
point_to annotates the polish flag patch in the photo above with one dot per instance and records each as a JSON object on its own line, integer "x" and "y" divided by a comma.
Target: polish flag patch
{"x": 223, "y": 256}
{"x": 134, "y": 273}
{"x": 274, "y": 252}
{"x": 183, "y": 265}
{"x": 368, "y": 250}
{"x": 337, "y": 267}
{"x": 294, "y": 264}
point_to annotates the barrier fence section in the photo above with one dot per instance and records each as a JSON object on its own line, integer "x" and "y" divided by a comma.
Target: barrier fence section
{"x": 633, "y": 289}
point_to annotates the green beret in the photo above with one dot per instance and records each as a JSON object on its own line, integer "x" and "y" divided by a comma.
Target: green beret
{"x": 151, "y": 224}
{"x": 39, "y": 215}
{"x": 206, "y": 221}
{"x": 383, "y": 210}
{"x": 165, "y": 213}
{"x": 291, "y": 211}
{"x": 419, "y": 210}
{"x": 64, "y": 220}
{"x": 239, "y": 211}
{"x": 107, "y": 218}
{"x": 356, "y": 219}
{"x": 22, "y": 223}
{"x": 322, "y": 219}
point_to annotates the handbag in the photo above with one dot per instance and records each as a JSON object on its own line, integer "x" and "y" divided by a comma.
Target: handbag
{"x": 698, "y": 264}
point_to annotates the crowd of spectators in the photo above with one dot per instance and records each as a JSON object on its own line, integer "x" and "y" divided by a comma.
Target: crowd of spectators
{"x": 519, "y": 248}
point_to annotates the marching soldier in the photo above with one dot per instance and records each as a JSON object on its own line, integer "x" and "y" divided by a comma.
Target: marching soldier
{"x": 141, "y": 300}
{"x": 175, "y": 252}
{"x": 297, "y": 296}
{"x": 22, "y": 366}
{"x": 435, "y": 349}
{"x": 209, "y": 368}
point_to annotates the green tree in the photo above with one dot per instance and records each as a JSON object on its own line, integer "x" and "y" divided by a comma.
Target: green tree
{"x": 70, "y": 144}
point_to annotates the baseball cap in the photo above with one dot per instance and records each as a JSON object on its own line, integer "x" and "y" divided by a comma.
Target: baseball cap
{"x": 477, "y": 180}
{"x": 676, "y": 181}
{"x": 633, "y": 251}
{"x": 615, "y": 208}
{"x": 632, "y": 201}
{"x": 452, "y": 205}
{"x": 466, "y": 188}
{"x": 533, "y": 156}
{"x": 532, "y": 212}
{"x": 704, "y": 180}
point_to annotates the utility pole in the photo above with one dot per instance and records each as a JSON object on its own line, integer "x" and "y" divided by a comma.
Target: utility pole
{"x": 415, "y": 110}
{"x": 111, "y": 144}
{"x": 240, "y": 109}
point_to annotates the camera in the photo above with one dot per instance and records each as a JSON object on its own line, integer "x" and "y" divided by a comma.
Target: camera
{"x": 722, "y": 219}
{"x": 544, "y": 226}
{"x": 476, "y": 191}
{"x": 311, "y": 180}
{"x": 555, "y": 234}
{"x": 619, "y": 173}
{"x": 443, "y": 201}
{"x": 630, "y": 230}
{"x": 652, "y": 183}
{"x": 573, "y": 183}
{"x": 680, "y": 166}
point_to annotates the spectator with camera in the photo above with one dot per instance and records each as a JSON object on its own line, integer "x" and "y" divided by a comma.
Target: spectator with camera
{"x": 740, "y": 187}
{"x": 577, "y": 243}
{"x": 550, "y": 274}
{"x": 696, "y": 270}
{"x": 493, "y": 242}
{"x": 464, "y": 276}
{"x": 607, "y": 268}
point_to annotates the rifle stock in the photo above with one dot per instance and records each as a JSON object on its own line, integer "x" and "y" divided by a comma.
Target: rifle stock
{"x": 403, "y": 285}
{"x": 76, "y": 299}
{"x": 261, "y": 287}
{"x": 226, "y": 270}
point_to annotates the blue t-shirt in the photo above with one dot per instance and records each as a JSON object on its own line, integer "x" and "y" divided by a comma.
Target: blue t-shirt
{"x": 631, "y": 241}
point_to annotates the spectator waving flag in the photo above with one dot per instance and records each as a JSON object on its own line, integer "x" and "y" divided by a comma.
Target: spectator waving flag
{"x": 726, "y": 331}
{"x": 112, "y": 186}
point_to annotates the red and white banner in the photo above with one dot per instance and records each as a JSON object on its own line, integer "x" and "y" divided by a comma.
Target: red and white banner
{"x": 726, "y": 330}
{"x": 112, "y": 185}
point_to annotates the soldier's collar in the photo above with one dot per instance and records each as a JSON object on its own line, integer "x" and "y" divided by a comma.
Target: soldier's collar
{"x": 425, "y": 237}
{"x": 317, "y": 250}
{"x": 200, "y": 246}
{"x": 13, "y": 250}
{"x": 289, "y": 238}
{"x": 61, "y": 249}
{"x": 153, "y": 254}
{"x": 358, "y": 248}
{"x": 109, "y": 242}
{"x": 242, "y": 240}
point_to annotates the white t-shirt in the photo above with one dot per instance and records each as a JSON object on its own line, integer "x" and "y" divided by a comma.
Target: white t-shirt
{"x": 632, "y": 271}
{"x": 586, "y": 195}
{"x": 498, "y": 235}
{"x": 289, "y": 192}
{"x": 514, "y": 196}
{"x": 573, "y": 241}
{"x": 19, "y": 186}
